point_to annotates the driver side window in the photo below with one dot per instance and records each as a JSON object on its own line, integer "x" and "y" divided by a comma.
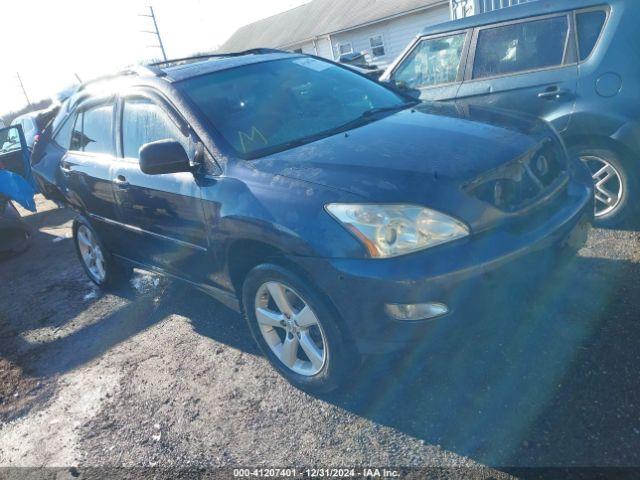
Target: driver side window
{"x": 434, "y": 61}
{"x": 144, "y": 122}
{"x": 10, "y": 140}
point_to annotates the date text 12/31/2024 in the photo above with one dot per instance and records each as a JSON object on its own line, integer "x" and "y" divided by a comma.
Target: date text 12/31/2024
{"x": 315, "y": 473}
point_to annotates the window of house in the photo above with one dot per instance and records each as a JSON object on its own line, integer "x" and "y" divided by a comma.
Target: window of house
{"x": 433, "y": 61}
{"x": 345, "y": 48}
{"x": 589, "y": 28}
{"x": 521, "y": 47}
{"x": 93, "y": 131}
{"x": 297, "y": 50}
{"x": 144, "y": 122}
{"x": 377, "y": 46}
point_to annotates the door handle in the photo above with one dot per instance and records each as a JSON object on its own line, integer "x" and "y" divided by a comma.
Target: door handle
{"x": 554, "y": 93}
{"x": 121, "y": 182}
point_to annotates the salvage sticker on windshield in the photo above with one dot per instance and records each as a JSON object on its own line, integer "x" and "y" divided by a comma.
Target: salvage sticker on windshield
{"x": 312, "y": 64}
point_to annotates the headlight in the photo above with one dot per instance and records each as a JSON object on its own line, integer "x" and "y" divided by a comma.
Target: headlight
{"x": 393, "y": 230}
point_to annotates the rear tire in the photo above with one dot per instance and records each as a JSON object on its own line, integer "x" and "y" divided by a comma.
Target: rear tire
{"x": 298, "y": 331}
{"x": 617, "y": 191}
{"x": 97, "y": 261}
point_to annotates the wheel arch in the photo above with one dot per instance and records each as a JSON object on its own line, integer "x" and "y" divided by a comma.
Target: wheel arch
{"x": 246, "y": 254}
{"x": 601, "y": 141}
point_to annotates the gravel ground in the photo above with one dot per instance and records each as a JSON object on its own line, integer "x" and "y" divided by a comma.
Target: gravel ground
{"x": 158, "y": 374}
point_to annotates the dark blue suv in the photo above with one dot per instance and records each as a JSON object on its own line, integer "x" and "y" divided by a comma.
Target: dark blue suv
{"x": 574, "y": 63}
{"x": 340, "y": 216}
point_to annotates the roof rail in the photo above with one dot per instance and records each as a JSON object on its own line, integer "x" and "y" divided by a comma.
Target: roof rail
{"x": 140, "y": 70}
{"x": 252, "y": 51}
{"x": 145, "y": 71}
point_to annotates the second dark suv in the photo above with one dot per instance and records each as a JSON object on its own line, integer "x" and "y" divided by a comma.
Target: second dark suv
{"x": 340, "y": 216}
{"x": 574, "y": 63}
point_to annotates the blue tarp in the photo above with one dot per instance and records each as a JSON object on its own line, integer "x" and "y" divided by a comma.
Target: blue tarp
{"x": 16, "y": 188}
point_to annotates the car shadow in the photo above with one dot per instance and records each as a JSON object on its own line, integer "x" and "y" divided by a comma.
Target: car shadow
{"x": 53, "y": 319}
{"x": 140, "y": 313}
{"x": 534, "y": 376}
{"x": 631, "y": 224}
{"x": 544, "y": 377}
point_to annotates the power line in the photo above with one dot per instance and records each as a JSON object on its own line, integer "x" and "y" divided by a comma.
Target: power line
{"x": 156, "y": 32}
{"x": 23, "y": 89}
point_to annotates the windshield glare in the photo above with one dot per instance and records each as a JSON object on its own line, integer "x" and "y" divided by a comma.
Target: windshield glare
{"x": 270, "y": 106}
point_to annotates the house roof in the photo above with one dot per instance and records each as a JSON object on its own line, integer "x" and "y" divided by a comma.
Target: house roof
{"x": 316, "y": 18}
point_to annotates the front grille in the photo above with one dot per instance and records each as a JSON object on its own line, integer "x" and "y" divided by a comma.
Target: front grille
{"x": 520, "y": 183}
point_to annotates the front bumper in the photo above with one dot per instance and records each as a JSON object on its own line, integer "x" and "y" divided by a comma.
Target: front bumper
{"x": 457, "y": 274}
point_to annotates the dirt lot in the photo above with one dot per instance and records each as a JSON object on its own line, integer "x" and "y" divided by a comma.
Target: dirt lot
{"x": 160, "y": 375}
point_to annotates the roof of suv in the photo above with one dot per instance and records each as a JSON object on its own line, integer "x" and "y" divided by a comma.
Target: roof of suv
{"x": 182, "y": 69}
{"x": 516, "y": 12}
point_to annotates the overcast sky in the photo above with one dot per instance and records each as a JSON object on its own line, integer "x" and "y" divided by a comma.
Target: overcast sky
{"x": 47, "y": 41}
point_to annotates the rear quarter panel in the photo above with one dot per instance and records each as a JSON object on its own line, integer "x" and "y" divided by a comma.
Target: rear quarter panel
{"x": 616, "y": 58}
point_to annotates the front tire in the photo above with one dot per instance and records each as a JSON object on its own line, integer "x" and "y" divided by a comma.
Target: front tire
{"x": 96, "y": 261}
{"x": 615, "y": 190}
{"x": 297, "y": 330}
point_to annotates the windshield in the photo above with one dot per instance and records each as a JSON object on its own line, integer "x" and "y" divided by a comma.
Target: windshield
{"x": 267, "y": 107}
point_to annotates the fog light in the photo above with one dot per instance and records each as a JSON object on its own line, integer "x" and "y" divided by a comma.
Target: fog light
{"x": 416, "y": 311}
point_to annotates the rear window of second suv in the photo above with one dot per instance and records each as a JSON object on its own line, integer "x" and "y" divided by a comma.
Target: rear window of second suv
{"x": 589, "y": 28}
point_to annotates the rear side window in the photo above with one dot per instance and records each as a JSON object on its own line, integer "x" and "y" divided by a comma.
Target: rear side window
{"x": 63, "y": 136}
{"x": 27, "y": 126}
{"x": 434, "y": 61}
{"x": 93, "y": 131}
{"x": 61, "y": 116}
{"x": 589, "y": 26}
{"x": 144, "y": 122}
{"x": 521, "y": 47}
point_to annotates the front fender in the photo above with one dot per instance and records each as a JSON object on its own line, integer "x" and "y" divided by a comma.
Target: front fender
{"x": 287, "y": 214}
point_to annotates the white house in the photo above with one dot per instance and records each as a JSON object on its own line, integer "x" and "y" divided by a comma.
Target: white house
{"x": 329, "y": 28}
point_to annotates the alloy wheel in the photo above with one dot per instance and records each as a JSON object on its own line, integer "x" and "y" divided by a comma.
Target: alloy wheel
{"x": 91, "y": 254}
{"x": 609, "y": 187}
{"x": 290, "y": 328}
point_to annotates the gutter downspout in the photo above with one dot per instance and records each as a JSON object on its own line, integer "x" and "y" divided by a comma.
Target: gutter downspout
{"x": 333, "y": 55}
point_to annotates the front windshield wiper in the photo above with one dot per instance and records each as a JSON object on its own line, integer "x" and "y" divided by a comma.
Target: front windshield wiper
{"x": 326, "y": 133}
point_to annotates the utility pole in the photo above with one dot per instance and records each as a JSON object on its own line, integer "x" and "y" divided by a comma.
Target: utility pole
{"x": 155, "y": 32}
{"x": 23, "y": 89}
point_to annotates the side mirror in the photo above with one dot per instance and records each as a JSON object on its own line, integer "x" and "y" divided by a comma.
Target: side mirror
{"x": 164, "y": 156}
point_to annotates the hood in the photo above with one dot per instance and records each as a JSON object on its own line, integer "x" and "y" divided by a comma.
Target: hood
{"x": 430, "y": 155}
{"x": 431, "y": 144}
